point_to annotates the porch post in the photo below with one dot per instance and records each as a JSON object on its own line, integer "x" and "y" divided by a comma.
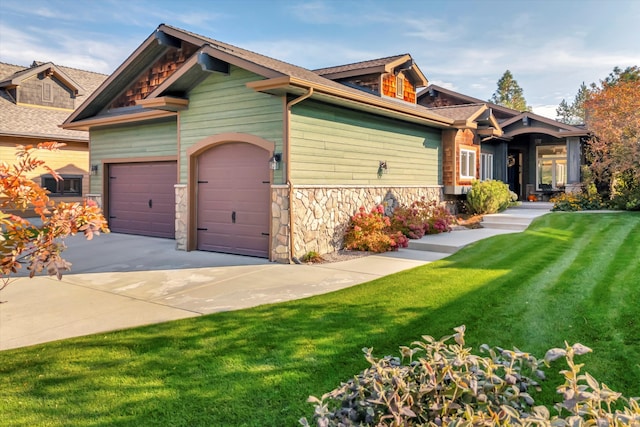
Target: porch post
{"x": 573, "y": 164}
{"x": 500, "y": 162}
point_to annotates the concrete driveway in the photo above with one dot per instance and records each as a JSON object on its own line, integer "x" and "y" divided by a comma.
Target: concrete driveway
{"x": 119, "y": 281}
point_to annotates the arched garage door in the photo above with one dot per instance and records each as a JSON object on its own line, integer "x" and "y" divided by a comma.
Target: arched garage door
{"x": 142, "y": 198}
{"x": 233, "y": 200}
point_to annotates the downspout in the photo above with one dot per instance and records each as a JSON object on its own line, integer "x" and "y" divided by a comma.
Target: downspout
{"x": 287, "y": 160}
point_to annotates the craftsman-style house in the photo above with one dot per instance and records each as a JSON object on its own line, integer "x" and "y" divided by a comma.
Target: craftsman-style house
{"x": 34, "y": 101}
{"x": 228, "y": 150}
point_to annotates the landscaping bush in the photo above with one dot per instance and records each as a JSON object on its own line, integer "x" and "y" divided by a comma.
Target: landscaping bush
{"x": 372, "y": 232}
{"x": 626, "y": 192}
{"x": 487, "y": 197}
{"x": 447, "y": 385}
{"x": 585, "y": 200}
{"x": 420, "y": 218}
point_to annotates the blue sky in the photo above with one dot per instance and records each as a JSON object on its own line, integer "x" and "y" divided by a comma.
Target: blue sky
{"x": 550, "y": 46}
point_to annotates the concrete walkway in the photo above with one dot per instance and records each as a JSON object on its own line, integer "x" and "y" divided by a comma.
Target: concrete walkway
{"x": 121, "y": 281}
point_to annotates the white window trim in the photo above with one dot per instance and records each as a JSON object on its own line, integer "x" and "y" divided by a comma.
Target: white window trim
{"x": 486, "y": 166}
{"x": 470, "y": 164}
{"x": 399, "y": 87}
{"x": 554, "y": 178}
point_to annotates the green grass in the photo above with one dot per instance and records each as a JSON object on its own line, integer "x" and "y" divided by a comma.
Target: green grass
{"x": 573, "y": 277}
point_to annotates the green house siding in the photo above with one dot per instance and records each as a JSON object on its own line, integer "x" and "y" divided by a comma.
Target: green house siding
{"x": 338, "y": 146}
{"x": 223, "y": 104}
{"x": 131, "y": 141}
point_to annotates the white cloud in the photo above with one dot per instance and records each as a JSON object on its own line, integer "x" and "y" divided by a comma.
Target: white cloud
{"x": 545, "y": 110}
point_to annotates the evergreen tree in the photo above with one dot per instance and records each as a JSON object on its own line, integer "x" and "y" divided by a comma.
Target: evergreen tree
{"x": 509, "y": 93}
{"x": 573, "y": 114}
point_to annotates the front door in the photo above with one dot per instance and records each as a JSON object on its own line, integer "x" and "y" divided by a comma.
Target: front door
{"x": 514, "y": 172}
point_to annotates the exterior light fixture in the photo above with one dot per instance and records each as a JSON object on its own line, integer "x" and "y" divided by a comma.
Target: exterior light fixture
{"x": 94, "y": 169}
{"x": 274, "y": 161}
{"x": 382, "y": 168}
{"x": 525, "y": 121}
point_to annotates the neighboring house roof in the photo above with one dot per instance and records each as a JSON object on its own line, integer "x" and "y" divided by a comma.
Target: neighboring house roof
{"x": 280, "y": 77}
{"x": 390, "y": 64}
{"x": 21, "y": 120}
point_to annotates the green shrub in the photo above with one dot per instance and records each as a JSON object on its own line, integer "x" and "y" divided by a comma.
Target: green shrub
{"x": 487, "y": 197}
{"x": 442, "y": 383}
{"x": 371, "y": 231}
{"x": 626, "y": 192}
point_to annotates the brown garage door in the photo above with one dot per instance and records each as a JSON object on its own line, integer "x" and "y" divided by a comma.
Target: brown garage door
{"x": 141, "y": 198}
{"x": 233, "y": 200}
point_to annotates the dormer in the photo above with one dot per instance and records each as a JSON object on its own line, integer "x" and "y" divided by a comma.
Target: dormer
{"x": 396, "y": 77}
{"x": 43, "y": 85}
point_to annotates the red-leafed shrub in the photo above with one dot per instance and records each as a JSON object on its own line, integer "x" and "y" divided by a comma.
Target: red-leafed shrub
{"x": 371, "y": 231}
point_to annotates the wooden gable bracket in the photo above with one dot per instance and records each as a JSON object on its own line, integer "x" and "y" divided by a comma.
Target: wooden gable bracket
{"x": 165, "y": 39}
{"x": 213, "y": 65}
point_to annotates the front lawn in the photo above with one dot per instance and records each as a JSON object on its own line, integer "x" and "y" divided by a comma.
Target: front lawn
{"x": 570, "y": 276}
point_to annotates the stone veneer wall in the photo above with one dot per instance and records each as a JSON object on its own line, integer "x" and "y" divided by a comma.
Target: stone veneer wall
{"x": 182, "y": 212}
{"x": 321, "y": 214}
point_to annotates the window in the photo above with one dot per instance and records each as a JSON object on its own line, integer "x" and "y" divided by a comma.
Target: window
{"x": 467, "y": 164}
{"x": 552, "y": 167}
{"x": 486, "y": 166}
{"x": 399, "y": 87}
{"x": 70, "y": 185}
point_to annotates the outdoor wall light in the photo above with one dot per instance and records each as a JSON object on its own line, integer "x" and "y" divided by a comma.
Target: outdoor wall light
{"x": 94, "y": 169}
{"x": 274, "y": 161}
{"x": 525, "y": 121}
{"x": 382, "y": 168}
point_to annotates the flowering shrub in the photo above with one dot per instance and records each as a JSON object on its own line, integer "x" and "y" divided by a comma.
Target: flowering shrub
{"x": 420, "y": 218}
{"x": 371, "y": 231}
{"x": 442, "y": 383}
{"x": 570, "y": 202}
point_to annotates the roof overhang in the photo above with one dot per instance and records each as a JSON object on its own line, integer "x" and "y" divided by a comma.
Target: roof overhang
{"x": 166, "y": 103}
{"x": 117, "y": 119}
{"x": 563, "y": 129}
{"x": 290, "y": 85}
{"x": 403, "y": 63}
{"x": 545, "y": 131}
{"x": 82, "y": 138}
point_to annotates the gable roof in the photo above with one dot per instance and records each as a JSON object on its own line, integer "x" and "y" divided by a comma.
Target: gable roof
{"x": 390, "y": 64}
{"x": 515, "y": 116}
{"x": 36, "y": 68}
{"x": 35, "y": 121}
{"x": 279, "y": 78}
{"x": 471, "y": 116}
{"x": 465, "y": 99}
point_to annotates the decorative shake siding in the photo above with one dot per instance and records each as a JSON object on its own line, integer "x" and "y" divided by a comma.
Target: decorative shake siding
{"x": 223, "y": 104}
{"x": 144, "y": 140}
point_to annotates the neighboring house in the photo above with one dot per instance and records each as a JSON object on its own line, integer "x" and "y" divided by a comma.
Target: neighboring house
{"x": 531, "y": 153}
{"x": 228, "y": 150}
{"x": 34, "y": 101}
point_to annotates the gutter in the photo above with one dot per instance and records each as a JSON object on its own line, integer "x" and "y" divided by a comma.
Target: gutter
{"x": 287, "y": 142}
{"x": 365, "y": 99}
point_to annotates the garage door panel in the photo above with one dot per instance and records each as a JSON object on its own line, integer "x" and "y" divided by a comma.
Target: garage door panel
{"x": 234, "y": 181}
{"x": 142, "y": 198}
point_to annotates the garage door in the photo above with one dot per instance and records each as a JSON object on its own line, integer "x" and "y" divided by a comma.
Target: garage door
{"x": 233, "y": 200}
{"x": 142, "y": 198}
